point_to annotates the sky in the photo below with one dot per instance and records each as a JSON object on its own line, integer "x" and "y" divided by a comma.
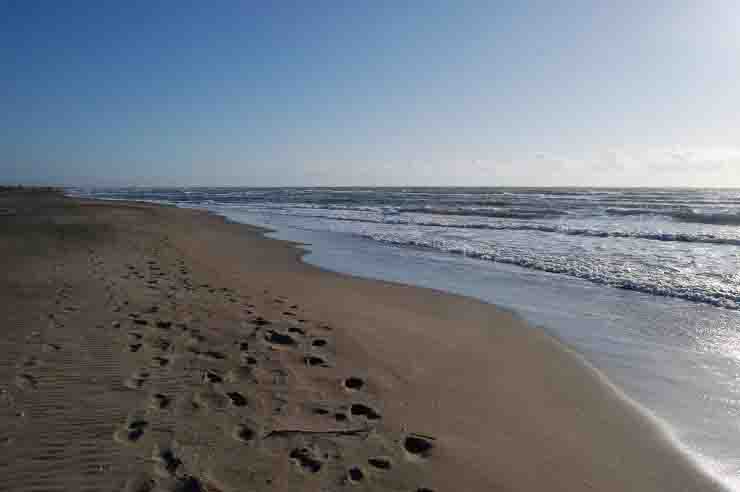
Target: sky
{"x": 463, "y": 93}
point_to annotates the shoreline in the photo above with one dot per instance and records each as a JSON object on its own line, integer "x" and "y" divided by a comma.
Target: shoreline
{"x": 510, "y": 407}
{"x": 666, "y": 431}
{"x": 703, "y": 464}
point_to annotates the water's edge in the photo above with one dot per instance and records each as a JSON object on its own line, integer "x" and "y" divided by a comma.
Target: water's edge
{"x": 308, "y": 253}
{"x": 663, "y": 427}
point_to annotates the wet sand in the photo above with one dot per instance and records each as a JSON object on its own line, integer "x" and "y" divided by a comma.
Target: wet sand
{"x": 154, "y": 348}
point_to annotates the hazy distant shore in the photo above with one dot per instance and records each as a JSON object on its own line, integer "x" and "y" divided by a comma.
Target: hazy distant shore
{"x": 187, "y": 351}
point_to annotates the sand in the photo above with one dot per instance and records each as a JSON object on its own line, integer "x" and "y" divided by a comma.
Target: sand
{"x": 154, "y": 348}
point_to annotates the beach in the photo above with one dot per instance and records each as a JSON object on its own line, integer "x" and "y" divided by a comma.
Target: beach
{"x": 156, "y": 348}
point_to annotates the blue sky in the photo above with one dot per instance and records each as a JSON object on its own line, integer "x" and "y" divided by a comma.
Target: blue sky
{"x": 328, "y": 93}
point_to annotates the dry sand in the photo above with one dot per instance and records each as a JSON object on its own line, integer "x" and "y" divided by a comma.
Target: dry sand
{"x": 153, "y": 348}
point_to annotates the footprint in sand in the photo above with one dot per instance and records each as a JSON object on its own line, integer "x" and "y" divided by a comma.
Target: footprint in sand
{"x": 247, "y": 359}
{"x": 361, "y": 410}
{"x": 160, "y": 343}
{"x": 306, "y": 459}
{"x": 212, "y": 355}
{"x": 26, "y": 382}
{"x": 323, "y": 411}
{"x": 159, "y": 401}
{"x": 277, "y": 338}
{"x": 132, "y": 432}
{"x": 196, "y": 337}
{"x": 418, "y": 445}
{"x": 315, "y": 361}
{"x": 160, "y": 361}
{"x": 355, "y": 475}
{"x": 297, "y": 331}
{"x": 320, "y": 411}
{"x": 354, "y": 383}
{"x": 166, "y": 462}
{"x": 380, "y": 463}
{"x": 244, "y": 433}
{"x": 51, "y": 347}
{"x": 137, "y": 380}
{"x": 237, "y": 399}
{"x": 211, "y": 376}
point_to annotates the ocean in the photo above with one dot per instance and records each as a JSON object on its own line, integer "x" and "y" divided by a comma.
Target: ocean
{"x": 644, "y": 283}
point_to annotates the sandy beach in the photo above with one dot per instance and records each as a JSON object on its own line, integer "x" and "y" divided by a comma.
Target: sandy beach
{"x": 155, "y": 348}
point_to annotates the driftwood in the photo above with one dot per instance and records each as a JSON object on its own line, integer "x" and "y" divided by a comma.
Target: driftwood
{"x": 363, "y": 432}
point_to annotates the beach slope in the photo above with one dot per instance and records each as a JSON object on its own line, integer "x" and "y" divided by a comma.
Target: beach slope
{"x": 154, "y": 348}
